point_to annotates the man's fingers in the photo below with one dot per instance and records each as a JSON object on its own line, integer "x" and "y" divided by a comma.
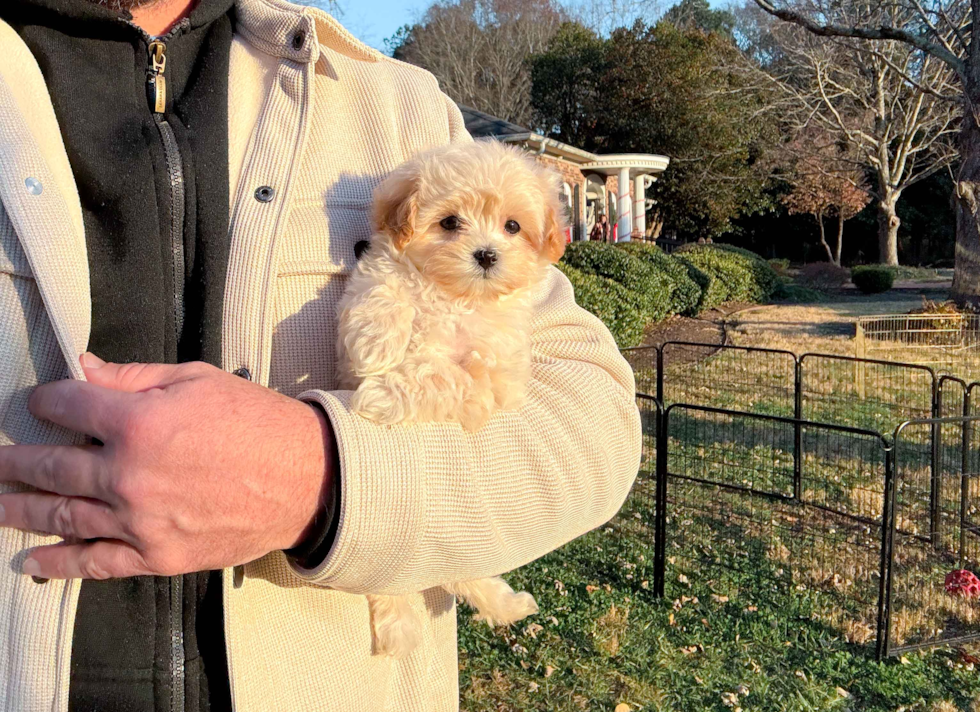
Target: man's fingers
{"x": 83, "y": 407}
{"x": 135, "y": 377}
{"x": 59, "y": 469}
{"x": 68, "y": 517}
{"x": 101, "y": 559}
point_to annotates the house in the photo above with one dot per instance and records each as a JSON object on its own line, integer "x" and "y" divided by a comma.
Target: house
{"x": 593, "y": 185}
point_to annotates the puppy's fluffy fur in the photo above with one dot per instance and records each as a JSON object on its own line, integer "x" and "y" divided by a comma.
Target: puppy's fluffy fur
{"x": 434, "y": 325}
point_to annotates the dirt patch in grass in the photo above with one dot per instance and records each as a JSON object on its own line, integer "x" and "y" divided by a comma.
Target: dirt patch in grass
{"x": 708, "y": 328}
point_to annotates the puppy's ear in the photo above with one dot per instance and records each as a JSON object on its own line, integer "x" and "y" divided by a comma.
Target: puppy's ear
{"x": 555, "y": 224}
{"x": 396, "y": 205}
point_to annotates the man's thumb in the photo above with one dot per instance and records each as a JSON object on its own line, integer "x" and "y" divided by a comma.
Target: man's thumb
{"x": 129, "y": 377}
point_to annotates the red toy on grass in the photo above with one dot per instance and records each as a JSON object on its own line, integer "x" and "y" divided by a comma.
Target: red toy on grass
{"x": 962, "y": 583}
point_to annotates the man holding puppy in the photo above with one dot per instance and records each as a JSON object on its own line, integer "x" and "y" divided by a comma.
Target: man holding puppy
{"x": 192, "y": 515}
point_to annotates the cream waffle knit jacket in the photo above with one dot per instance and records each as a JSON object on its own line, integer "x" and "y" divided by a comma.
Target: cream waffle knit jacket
{"x": 321, "y": 119}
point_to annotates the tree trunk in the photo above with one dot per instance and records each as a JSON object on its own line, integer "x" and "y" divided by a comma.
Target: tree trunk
{"x": 823, "y": 236}
{"x": 966, "y": 279}
{"x": 840, "y": 238}
{"x": 888, "y": 223}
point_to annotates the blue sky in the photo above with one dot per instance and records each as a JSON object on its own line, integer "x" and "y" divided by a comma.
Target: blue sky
{"x": 373, "y": 21}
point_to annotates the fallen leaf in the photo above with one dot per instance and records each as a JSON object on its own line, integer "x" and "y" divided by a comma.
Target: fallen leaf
{"x": 622, "y": 707}
{"x": 590, "y": 589}
{"x": 548, "y": 671}
{"x": 533, "y": 630}
{"x": 533, "y": 687}
{"x": 719, "y": 599}
{"x": 841, "y": 692}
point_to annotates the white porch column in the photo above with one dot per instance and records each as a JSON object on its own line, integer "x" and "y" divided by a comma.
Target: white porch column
{"x": 640, "y": 204}
{"x": 625, "y": 206}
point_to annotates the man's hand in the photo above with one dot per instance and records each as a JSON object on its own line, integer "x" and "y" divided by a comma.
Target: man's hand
{"x": 199, "y": 470}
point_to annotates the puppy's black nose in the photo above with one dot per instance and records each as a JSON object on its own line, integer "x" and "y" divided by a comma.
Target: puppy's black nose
{"x": 485, "y": 258}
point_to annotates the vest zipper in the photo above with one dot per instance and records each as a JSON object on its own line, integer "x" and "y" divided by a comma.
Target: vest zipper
{"x": 157, "y": 89}
{"x": 157, "y": 97}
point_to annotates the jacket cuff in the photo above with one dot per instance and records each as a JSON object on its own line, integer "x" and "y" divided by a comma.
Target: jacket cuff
{"x": 380, "y": 465}
{"x": 311, "y": 552}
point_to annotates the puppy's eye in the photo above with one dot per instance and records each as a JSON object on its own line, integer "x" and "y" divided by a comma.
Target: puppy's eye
{"x": 512, "y": 226}
{"x": 451, "y": 223}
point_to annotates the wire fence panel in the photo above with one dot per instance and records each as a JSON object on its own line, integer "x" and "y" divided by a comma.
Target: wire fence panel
{"x": 949, "y": 342}
{"x": 735, "y": 377}
{"x": 643, "y": 360}
{"x": 935, "y": 535}
{"x": 730, "y": 506}
{"x": 770, "y": 471}
{"x": 875, "y": 395}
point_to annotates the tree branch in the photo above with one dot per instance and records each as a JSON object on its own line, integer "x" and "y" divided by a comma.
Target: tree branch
{"x": 884, "y": 32}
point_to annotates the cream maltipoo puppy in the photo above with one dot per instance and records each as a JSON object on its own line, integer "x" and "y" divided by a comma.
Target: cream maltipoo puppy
{"x": 435, "y": 322}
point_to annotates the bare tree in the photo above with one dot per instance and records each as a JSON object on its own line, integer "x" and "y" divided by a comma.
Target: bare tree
{"x": 331, "y": 6}
{"x": 604, "y": 16}
{"x": 478, "y": 50}
{"x": 888, "y": 105}
{"x": 943, "y": 30}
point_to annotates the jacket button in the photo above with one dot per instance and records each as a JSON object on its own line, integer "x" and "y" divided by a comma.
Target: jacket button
{"x": 38, "y": 579}
{"x": 265, "y": 194}
{"x": 242, "y": 373}
{"x": 299, "y": 39}
{"x": 238, "y": 576}
{"x": 33, "y": 186}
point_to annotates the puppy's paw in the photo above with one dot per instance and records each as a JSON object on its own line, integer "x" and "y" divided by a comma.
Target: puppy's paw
{"x": 395, "y": 629}
{"x": 495, "y": 601}
{"x": 380, "y": 400}
{"x": 509, "y": 608}
{"x": 474, "y": 413}
{"x": 398, "y": 638}
{"x": 478, "y": 366}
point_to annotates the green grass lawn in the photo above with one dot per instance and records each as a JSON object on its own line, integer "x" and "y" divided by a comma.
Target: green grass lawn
{"x": 726, "y": 639}
{"x": 769, "y": 606}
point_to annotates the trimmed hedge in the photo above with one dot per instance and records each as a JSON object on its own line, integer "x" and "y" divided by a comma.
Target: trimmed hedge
{"x": 685, "y": 291}
{"x": 766, "y": 278}
{"x": 873, "y": 280}
{"x": 653, "y": 286}
{"x": 631, "y": 284}
{"x": 619, "y": 308}
{"x": 738, "y": 275}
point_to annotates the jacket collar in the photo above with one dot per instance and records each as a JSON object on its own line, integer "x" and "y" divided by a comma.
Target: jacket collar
{"x": 296, "y": 33}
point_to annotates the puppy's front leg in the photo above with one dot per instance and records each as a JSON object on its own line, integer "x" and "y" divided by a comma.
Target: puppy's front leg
{"x": 478, "y": 399}
{"x": 375, "y": 329}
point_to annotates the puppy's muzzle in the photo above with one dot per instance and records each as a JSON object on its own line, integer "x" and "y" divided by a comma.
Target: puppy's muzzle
{"x": 485, "y": 258}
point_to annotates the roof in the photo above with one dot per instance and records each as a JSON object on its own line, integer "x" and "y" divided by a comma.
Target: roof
{"x": 479, "y": 124}
{"x": 483, "y": 125}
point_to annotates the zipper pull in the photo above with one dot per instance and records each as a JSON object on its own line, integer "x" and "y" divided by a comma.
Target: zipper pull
{"x": 156, "y": 81}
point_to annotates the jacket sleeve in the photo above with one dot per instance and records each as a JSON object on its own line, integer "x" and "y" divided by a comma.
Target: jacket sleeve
{"x": 427, "y": 504}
